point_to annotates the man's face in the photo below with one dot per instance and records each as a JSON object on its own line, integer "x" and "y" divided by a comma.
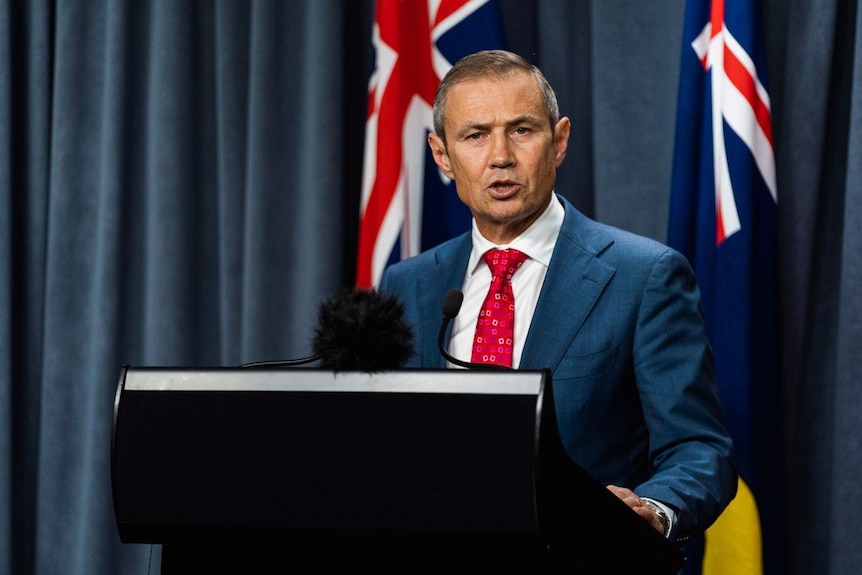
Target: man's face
{"x": 501, "y": 153}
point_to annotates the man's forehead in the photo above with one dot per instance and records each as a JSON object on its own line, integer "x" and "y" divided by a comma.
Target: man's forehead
{"x": 516, "y": 78}
{"x": 503, "y": 99}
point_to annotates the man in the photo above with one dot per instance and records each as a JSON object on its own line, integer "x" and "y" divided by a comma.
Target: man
{"x": 615, "y": 316}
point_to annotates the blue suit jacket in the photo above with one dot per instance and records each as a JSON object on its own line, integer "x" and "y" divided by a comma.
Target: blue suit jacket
{"x": 618, "y": 322}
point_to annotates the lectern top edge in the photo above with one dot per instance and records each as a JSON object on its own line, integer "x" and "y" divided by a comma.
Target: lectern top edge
{"x": 515, "y": 382}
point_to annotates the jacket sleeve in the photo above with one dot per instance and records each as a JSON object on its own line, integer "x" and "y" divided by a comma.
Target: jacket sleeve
{"x": 690, "y": 449}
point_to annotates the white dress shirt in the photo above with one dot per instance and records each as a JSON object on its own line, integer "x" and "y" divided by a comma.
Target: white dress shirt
{"x": 538, "y": 243}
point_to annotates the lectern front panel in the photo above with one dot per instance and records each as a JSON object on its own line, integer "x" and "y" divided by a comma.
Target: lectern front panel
{"x": 198, "y": 451}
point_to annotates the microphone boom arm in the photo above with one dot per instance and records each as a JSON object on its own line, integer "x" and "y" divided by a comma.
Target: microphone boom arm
{"x": 451, "y": 307}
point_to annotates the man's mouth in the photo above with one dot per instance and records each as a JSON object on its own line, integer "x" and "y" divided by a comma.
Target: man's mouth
{"x": 503, "y": 189}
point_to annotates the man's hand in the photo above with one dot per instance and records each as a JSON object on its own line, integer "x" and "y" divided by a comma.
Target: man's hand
{"x": 638, "y": 505}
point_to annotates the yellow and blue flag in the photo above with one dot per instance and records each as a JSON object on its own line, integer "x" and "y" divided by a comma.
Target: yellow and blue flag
{"x": 723, "y": 218}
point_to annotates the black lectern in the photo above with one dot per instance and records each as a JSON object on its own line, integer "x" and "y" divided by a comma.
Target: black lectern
{"x": 258, "y": 470}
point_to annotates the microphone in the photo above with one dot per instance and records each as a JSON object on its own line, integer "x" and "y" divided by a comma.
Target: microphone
{"x": 363, "y": 329}
{"x": 451, "y": 306}
{"x": 357, "y": 330}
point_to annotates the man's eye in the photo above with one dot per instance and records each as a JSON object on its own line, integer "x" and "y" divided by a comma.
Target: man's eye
{"x": 521, "y": 131}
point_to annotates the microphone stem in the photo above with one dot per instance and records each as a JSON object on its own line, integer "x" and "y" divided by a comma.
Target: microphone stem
{"x": 465, "y": 364}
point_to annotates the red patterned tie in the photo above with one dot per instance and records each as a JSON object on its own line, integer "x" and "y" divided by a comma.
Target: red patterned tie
{"x": 496, "y": 326}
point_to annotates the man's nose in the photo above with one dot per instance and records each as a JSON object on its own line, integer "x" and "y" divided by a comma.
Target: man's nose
{"x": 502, "y": 155}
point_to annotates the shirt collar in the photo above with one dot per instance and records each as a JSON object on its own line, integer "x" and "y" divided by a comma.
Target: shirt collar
{"x": 537, "y": 241}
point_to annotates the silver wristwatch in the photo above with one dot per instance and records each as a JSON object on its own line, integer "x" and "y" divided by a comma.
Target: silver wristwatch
{"x": 662, "y": 516}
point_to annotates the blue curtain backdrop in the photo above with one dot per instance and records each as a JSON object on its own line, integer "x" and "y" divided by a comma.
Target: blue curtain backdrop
{"x": 179, "y": 185}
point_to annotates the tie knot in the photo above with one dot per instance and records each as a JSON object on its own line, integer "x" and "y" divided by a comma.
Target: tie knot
{"x": 504, "y": 263}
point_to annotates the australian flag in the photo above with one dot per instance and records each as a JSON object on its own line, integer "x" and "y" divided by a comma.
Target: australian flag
{"x": 723, "y": 218}
{"x": 407, "y": 206}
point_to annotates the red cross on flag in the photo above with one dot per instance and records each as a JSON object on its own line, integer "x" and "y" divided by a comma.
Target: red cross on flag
{"x": 407, "y": 205}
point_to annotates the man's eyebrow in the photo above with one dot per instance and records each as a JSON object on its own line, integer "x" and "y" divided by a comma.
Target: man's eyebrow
{"x": 524, "y": 119}
{"x": 470, "y": 128}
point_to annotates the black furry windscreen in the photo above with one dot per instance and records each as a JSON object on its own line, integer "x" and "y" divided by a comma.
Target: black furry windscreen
{"x": 362, "y": 329}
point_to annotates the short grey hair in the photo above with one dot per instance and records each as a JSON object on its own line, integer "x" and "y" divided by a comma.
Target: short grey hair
{"x": 491, "y": 64}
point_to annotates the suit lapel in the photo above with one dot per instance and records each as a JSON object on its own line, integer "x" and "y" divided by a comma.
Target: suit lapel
{"x": 450, "y": 265}
{"x": 575, "y": 280}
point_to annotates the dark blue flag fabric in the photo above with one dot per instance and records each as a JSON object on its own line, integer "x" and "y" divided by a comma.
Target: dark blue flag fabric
{"x": 407, "y": 205}
{"x": 723, "y": 218}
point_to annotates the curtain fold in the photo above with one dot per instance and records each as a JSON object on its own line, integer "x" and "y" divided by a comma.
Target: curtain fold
{"x": 26, "y": 93}
{"x": 232, "y": 55}
{"x": 846, "y": 465}
{"x": 6, "y": 407}
{"x": 819, "y": 96}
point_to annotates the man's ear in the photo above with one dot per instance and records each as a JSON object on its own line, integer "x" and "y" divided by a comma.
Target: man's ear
{"x": 561, "y": 139}
{"x": 441, "y": 156}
